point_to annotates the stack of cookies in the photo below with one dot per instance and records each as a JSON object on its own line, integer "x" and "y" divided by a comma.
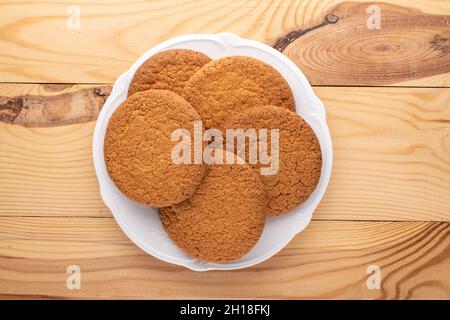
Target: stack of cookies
{"x": 214, "y": 212}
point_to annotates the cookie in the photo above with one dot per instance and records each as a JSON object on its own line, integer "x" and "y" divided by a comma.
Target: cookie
{"x": 138, "y": 148}
{"x": 167, "y": 70}
{"x": 234, "y": 84}
{"x": 224, "y": 218}
{"x": 300, "y": 158}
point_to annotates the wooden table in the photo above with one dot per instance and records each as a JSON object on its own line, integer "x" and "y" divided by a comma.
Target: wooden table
{"x": 385, "y": 83}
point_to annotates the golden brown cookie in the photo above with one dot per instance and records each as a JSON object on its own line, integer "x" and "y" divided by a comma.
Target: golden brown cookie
{"x": 300, "y": 158}
{"x": 224, "y": 218}
{"x": 167, "y": 70}
{"x": 138, "y": 148}
{"x": 231, "y": 85}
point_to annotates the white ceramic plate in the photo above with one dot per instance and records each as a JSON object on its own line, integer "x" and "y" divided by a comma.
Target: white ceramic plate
{"x": 141, "y": 224}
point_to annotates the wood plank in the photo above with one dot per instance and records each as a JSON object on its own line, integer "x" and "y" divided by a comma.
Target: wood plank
{"x": 392, "y": 156}
{"x": 328, "y": 260}
{"x": 407, "y": 45}
{"x": 37, "y": 46}
{"x": 43, "y": 105}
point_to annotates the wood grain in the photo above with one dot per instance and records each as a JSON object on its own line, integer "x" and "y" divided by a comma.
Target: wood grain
{"x": 388, "y": 202}
{"x": 36, "y": 46}
{"x": 327, "y": 260}
{"x": 51, "y": 104}
{"x": 391, "y": 145}
{"x": 391, "y": 153}
{"x": 343, "y": 50}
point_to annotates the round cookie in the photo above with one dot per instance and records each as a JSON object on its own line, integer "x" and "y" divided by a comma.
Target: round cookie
{"x": 224, "y": 218}
{"x": 300, "y": 157}
{"x": 234, "y": 84}
{"x": 167, "y": 70}
{"x": 138, "y": 148}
